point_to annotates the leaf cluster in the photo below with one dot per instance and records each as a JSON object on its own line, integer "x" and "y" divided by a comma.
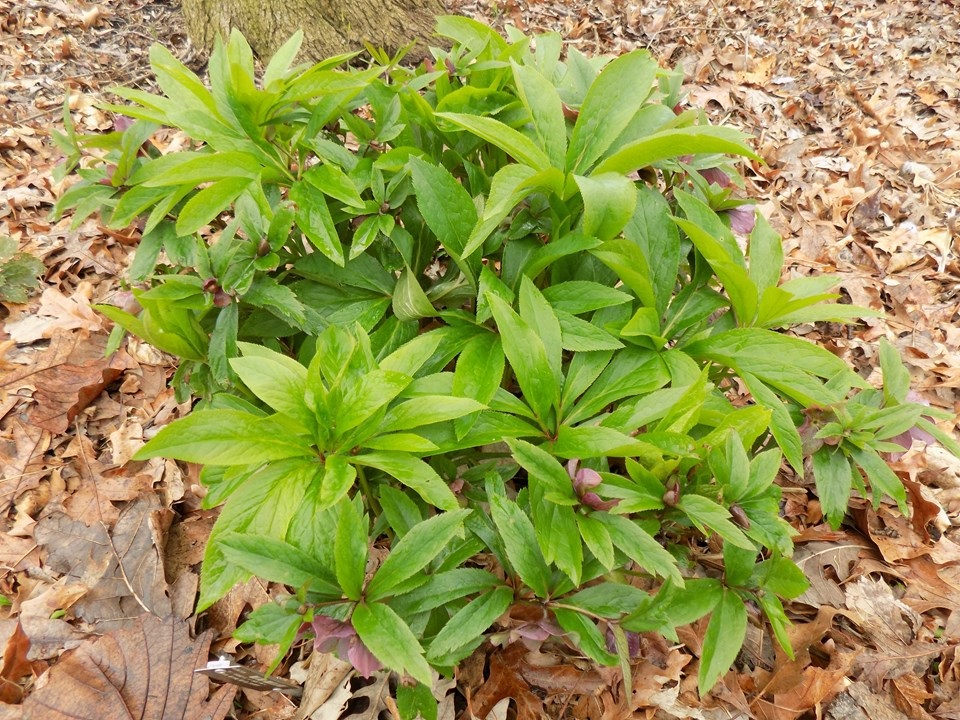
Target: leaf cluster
{"x": 485, "y": 313}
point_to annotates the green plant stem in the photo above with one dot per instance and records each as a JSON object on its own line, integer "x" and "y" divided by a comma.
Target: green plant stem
{"x": 372, "y": 501}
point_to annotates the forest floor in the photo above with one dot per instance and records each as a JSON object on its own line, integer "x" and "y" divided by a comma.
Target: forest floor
{"x": 855, "y": 106}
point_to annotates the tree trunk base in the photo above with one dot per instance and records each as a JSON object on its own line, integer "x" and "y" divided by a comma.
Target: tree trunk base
{"x": 330, "y": 27}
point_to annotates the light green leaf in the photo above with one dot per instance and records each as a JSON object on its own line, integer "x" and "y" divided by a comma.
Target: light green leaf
{"x": 277, "y": 561}
{"x": 362, "y": 398}
{"x": 508, "y": 187}
{"x": 709, "y": 516}
{"x": 540, "y": 97}
{"x": 390, "y": 639}
{"x": 425, "y": 410}
{"x": 471, "y": 621}
{"x": 314, "y": 220}
{"x": 515, "y": 144}
{"x": 209, "y": 203}
{"x": 528, "y": 358}
{"x": 338, "y": 477}
{"x": 723, "y": 639}
{"x": 350, "y": 549}
{"x": 674, "y": 143}
{"x": 415, "y": 550}
{"x": 520, "y": 542}
{"x": 585, "y": 635}
{"x": 225, "y": 437}
{"x": 414, "y": 473}
{"x": 278, "y": 380}
{"x": 609, "y": 200}
{"x": 613, "y": 99}
{"x": 639, "y": 546}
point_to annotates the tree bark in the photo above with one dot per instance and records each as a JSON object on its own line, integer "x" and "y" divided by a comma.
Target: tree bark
{"x": 330, "y": 27}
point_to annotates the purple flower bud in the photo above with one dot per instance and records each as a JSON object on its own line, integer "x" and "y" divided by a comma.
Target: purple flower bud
{"x": 361, "y": 658}
{"x": 122, "y": 123}
{"x": 742, "y": 219}
{"x": 716, "y": 176}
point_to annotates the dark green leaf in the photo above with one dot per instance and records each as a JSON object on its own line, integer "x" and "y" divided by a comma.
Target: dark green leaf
{"x": 723, "y": 639}
{"x": 471, "y": 621}
{"x": 390, "y": 639}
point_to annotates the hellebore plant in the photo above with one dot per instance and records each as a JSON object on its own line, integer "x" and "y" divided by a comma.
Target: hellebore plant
{"x": 487, "y": 315}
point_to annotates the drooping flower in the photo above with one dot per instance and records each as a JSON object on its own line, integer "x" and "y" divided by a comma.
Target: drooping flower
{"x": 337, "y": 636}
{"x": 584, "y": 480}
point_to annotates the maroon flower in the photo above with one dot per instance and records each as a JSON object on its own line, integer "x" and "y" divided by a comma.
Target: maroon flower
{"x": 584, "y": 480}
{"x": 715, "y": 176}
{"x": 336, "y": 635}
{"x": 742, "y": 219}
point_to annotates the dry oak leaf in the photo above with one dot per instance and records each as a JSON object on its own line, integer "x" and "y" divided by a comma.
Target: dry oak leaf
{"x": 67, "y": 378}
{"x": 123, "y": 568}
{"x": 15, "y": 666}
{"x": 144, "y": 671}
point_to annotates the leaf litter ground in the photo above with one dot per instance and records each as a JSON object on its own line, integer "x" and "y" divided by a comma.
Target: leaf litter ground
{"x": 856, "y": 109}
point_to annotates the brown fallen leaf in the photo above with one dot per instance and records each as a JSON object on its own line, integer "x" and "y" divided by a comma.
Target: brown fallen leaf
{"x": 123, "y": 569}
{"x": 66, "y": 378}
{"x": 22, "y": 460}
{"x": 15, "y": 666}
{"x": 505, "y": 682}
{"x": 144, "y": 671}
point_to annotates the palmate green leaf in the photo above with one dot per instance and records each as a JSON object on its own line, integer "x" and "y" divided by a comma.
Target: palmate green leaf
{"x": 724, "y": 638}
{"x": 362, "y": 398}
{"x": 209, "y": 203}
{"x": 639, "y": 546}
{"x": 194, "y": 168}
{"x": 314, "y": 220}
{"x": 263, "y": 502}
{"x": 509, "y": 186}
{"x": 410, "y": 302}
{"x": 589, "y": 441}
{"x": 627, "y": 260}
{"x": 520, "y": 541}
{"x": 178, "y": 82}
{"x": 609, "y": 200}
{"x": 278, "y": 380}
{"x": 896, "y": 377}
{"x": 412, "y": 472}
{"x": 585, "y": 635}
{"x": 578, "y": 335}
{"x": 540, "y": 97}
{"x": 415, "y": 550}
{"x": 274, "y": 625}
{"x": 478, "y": 374}
{"x": 425, "y": 410}
{"x": 613, "y": 99}
{"x": 736, "y": 280}
{"x": 784, "y": 362}
{"x": 597, "y": 539}
{"x": 338, "y": 478}
{"x": 350, "y": 549}
{"x": 226, "y": 437}
{"x": 559, "y": 538}
{"x": 537, "y": 313}
{"x": 674, "y": 143}
{"x": 279, "y": 64}
{"x": 416, "y": 702}
{"x": 278, "y": 561}
{"x": 448, "y": 210}
{"x": 528, "y": 358}
{"x": 577, "y": 297}
{"x": 781, "y": 423}
{"x": 390, "y": 639}
{"x": 542, "y": 467}
{"x": 766, "y": 254}
{"x": 708, "y": 516}
{"x": 653, "y": 231}
{"x": 782, "y": 576}
{"x": 883, "y": 480}
{"x": 471, "y": 621}
{"x": 503, "y": 136}
{"x": 442, "y": 588}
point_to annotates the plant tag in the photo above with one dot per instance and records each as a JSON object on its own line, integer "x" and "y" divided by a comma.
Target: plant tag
{"x": 223, "y": 670}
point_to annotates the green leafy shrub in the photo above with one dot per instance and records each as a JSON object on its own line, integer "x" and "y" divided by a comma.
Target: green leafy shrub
{"x": 487, "y": 308}
{"x": 19, "y": 272}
